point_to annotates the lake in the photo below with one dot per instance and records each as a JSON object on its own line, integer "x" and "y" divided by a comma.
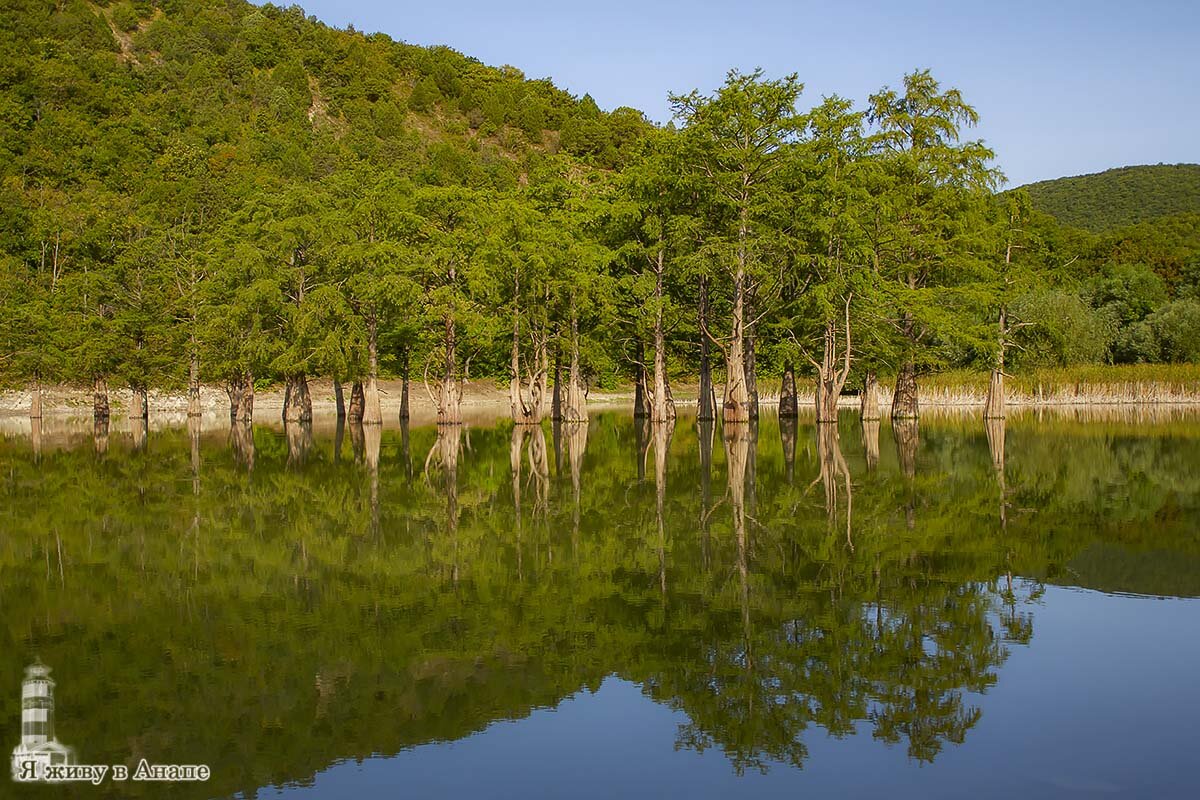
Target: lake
{"x": 616, "y": 609}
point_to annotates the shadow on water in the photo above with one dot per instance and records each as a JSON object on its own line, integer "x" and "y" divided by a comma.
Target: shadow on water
{"x": 768, "y": 580}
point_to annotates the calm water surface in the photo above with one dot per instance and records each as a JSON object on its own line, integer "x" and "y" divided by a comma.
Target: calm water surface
{"x": 613, "y": 610}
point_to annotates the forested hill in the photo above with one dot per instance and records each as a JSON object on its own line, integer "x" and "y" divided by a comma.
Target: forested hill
{"x": 1118, "y": 197}
{"x": 111, "y": 96}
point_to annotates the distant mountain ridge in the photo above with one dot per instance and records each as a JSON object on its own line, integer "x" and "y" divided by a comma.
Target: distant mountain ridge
{"x": 1118, "y": 197}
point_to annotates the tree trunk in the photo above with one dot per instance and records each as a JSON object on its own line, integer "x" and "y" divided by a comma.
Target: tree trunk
{"x": 297, "y": 405}
{"x": 234, "y": 390}
{"x": 138, "y": 404}
{"x": 339, "y": 398}
{"x": 904, "y": 398}
{"x": 193, "y": 408}
{"x": 789, "y": 405}
{"x": 749, "y": 359}
{"x": 662, "y": 404}
{"x": 354, "y": 412}
{"x": 527, "y": 413}
{"x": 372, "y": 413}
{"x": 404, "y": 385}
{"x": 641, "y": 395}
{"x": 449, "y": 399}
{"x": 246, "y": 407}
{"x": 830, "y": 378}
{"x": 100, "y": 409}
{"x": 575, "y": 402}
{"x": 994, "y": 408}
{"x": 869, "y": 402}
{"x": 556, "y": 400}
{"x": 706, "y": 405}
{"x": 35, "y": 401}
{"x": 736, "y": 405}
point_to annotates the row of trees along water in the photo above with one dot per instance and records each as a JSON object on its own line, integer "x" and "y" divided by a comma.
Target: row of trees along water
{"x": 837, "y": 244}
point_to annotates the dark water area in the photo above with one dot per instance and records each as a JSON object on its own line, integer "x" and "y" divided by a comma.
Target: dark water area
{"x": 616, "y": 609}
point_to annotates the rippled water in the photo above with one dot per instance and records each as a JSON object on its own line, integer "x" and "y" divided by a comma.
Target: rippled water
{"x": 613, "y": 610}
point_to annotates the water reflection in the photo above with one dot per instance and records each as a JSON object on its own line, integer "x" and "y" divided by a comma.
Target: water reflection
{"x": 275, "y": 606}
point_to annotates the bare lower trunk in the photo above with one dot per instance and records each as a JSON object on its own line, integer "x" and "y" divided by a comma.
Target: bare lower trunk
{"x": 404, "y": 386}
{"x": 736, "y": 405}
{"x": 869, "y": 402}
{"x": 372, "y": 409}
{"x": 527, "y": 398}
{"x": 233, "y": 390}
{"x": 449, "y": 397}
{"x": 246, "y": 407}
{"x": 138, "y": 405}
{"x": 831, "y": 376}
{"x": 904, "y": 398}
{"x": 354, "y": 412}
{"x": 297, "y": 406}
{"x": 749, "y": 359}
{"x": 339, "y": 398}
{"x": 789, "y": 405}
{"x": 193, "y": 406}
{"x": 706, "y": 405}
{"x": 995, "y": 408}
{"x": 556, "y": 400}
{"x": 641, "y": 393}
{"x": 35, "y": 402}
{"x": 575, "y": 402}
{"x": 100, "y": 409}
{"x": 662, "y": 404}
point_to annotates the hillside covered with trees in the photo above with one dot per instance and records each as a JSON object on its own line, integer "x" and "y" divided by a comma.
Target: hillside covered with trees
{"x": 1119, "y": 197}
{"x": 221, "y": 193}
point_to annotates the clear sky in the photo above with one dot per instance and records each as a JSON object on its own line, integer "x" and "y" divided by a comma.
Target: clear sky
{"x": 1063, "y": 87}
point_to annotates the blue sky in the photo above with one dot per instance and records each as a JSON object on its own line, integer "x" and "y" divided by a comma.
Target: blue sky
{"x": 1063, "y": 87}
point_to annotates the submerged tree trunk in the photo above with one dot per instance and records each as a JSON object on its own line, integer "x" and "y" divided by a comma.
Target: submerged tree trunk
{"x": 297, "y": 404}
{"x": 662, "y": 404}
{"x": 736, "y": 404}
{"x": 372, "y": 412}
{"x": 641, "y": 393}
{"x": 749, "y": 359}
{"x": 246, "y": 407}
{"x": 789, "y": 404}
{"x": 869, "y": 402}
{"x": 706, "y": 405}
{"x": 339, "y": 398}
{"x": 556, "y": 400}
{"x": 138, "y": 404}
{"x": 354, "y": 412}
{"x": 100, "y": 409}
{"x": 193, "y": 407}
{"x": 575, "y": 403}
{"x": 830, "y": 379}
{"x": 904, "y": 398}
{"x": 449, "y": 396}
{"x": 35, "y": 401}
{"x": 404, "y": 385}
{"x": 527, "y": 412}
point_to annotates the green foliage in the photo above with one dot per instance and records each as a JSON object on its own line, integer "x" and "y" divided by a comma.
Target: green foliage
{"x": 1120, "y": 197}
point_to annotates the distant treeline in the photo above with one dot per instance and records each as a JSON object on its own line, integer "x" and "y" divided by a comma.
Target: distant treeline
{"x": 1120, "y": 197}
{"x": 223, "y": 193}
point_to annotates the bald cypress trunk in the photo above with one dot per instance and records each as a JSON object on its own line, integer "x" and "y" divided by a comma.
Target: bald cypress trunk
{"x": 354, "y": 411}
{"x": 246, "y": 407}
{"x": 194, "y": 408}
{"x": 789, "y": 405}
{"x": 904, "y": 398}
{"x": 662, "y": 404}
{"x": 372, "y": 408}
{"x": 575, "y": 403}
{"x": 706, "y": 405}
{"x": 449, "y": 397}
{"x": 869, "y": 402}
{"x": 404, "y": 385}
{"x": 297, "y": 406}
{"x": 138, "y": 404}
{"x": 339, "y": 399}
{"x": 736, "y": 404}
{"x": 35, "y": 401}
{"x": 100, "y": 408}
{"x": 749, "y": 359}
{"x": 641, "y": 394}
